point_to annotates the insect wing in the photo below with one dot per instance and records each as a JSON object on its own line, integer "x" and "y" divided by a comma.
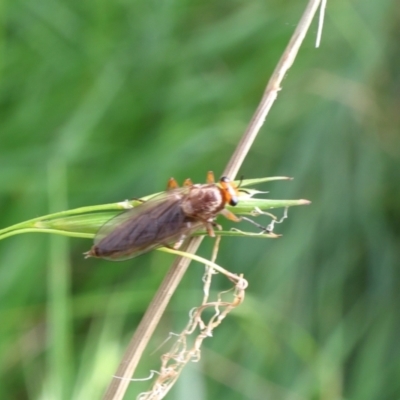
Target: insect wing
{"x": 157, "y": 222}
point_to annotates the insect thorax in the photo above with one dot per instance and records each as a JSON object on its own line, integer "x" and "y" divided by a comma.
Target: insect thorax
{"x": 203, "y": 202}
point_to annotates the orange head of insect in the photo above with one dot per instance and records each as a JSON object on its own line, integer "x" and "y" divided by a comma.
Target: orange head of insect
{"x": 229, "y": 191}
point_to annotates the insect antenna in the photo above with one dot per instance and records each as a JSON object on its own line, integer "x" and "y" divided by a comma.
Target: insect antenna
{"x": 241, "y": 181}
{"x": 240, "y": 184}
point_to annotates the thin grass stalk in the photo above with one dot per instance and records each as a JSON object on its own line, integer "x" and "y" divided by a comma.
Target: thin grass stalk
{"x": 143, "y": 333}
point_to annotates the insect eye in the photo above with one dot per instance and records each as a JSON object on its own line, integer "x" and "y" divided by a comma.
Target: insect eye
{"x": 233, "y": 201}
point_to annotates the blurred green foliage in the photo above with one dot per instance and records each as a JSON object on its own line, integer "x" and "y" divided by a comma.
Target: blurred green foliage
{"x": 105, "y": 100}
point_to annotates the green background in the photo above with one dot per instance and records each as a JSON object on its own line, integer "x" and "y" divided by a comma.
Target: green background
{"x": 101, "y": 101}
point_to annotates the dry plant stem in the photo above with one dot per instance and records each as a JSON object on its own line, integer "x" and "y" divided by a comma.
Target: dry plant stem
{"x": 117, "y": 387}
{"x": 271, "y": 91}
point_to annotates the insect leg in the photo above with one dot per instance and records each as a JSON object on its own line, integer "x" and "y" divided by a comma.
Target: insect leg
{"x": 172, "y": 184}
{"x": 188, "y": 182}
{"x": 230, "y": 215}
{"x": 209, "y": 227}
{"x": 210, "y": 230}
{"x": 210, "y": 177}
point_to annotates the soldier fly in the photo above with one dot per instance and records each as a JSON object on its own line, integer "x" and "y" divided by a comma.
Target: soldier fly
{"x": 166, "y": 219}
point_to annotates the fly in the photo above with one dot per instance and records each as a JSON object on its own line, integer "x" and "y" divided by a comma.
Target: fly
{"x": 166, "y": 220}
